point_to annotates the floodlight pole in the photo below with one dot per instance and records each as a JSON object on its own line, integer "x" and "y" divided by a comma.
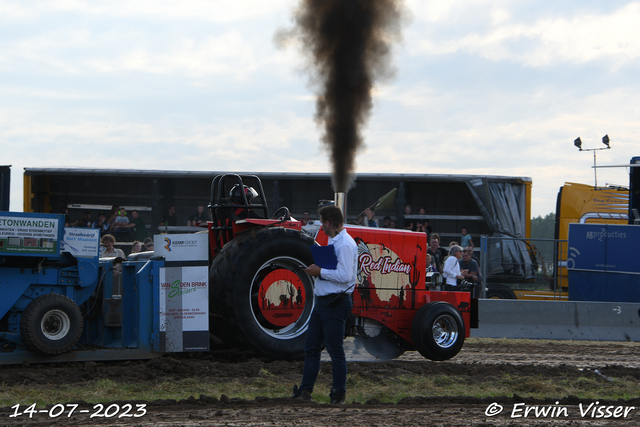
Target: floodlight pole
{"x": 595, "y": 169}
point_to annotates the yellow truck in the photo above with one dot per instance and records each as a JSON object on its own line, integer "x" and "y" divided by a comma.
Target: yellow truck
{"x": 547, "y": 277}
{"x": 586, "y": 204}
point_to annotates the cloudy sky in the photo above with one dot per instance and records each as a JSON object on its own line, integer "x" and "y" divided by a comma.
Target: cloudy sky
{"x": 481, "y": 87}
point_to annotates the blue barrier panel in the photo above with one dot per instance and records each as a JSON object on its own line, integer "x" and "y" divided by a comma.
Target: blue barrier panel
{"x": 603, "y": 263}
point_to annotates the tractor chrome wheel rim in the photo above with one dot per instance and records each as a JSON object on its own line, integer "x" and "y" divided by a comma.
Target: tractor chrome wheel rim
{"x": 300, "y": 325}
{"x": 55, "y": 325}
{"x": 445, "y": 331}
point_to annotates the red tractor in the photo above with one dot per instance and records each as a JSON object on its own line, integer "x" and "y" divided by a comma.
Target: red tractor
{"x": 260, "y": 296}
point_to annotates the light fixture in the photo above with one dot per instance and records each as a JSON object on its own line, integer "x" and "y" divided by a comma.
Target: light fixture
{"x": 605, "y": 140}
{"x": 578, "y": 143}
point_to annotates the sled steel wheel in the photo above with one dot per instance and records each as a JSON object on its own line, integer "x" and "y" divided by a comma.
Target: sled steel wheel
{"x": 51, "y": 324}
{"x": 438, "y": 331}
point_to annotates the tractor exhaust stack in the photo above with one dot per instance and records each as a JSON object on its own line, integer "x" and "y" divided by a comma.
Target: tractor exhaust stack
{"x": 341, "y": 202}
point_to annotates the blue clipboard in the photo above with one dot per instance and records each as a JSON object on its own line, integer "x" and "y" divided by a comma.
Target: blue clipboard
{"x": 325, "y": 257}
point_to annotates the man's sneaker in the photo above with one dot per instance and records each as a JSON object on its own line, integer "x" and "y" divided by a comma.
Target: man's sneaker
{"x": 337, "y": 398}
{"x": 301, "y": 394}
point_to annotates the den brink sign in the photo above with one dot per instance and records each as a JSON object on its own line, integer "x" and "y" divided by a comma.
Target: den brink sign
{"x": 184, "y": 292}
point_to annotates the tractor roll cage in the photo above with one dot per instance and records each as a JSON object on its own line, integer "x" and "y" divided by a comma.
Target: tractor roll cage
{"x": 224, "y": 212}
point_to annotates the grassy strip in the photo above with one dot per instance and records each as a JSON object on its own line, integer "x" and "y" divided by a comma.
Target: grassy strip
{"x": 359, "y": 389}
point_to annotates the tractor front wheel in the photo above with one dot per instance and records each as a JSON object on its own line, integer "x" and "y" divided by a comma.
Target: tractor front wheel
{"x": 438, "y": 331}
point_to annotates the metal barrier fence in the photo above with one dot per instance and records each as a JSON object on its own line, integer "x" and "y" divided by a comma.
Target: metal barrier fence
{"x": 558, "y": 320}
{"x": 523, "y": 268}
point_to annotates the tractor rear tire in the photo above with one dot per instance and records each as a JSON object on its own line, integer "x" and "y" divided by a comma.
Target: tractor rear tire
{"x": 237, "y": 296}
{"x": 438, "y": 331}
{"x": 51, "y": 324}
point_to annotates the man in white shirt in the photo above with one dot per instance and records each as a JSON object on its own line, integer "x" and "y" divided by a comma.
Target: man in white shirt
{"x": 333, "y": 290}
{"x": 451, "y": 269}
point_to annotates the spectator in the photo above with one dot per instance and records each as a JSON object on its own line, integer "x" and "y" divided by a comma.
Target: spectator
{"x": 431, "y": 268}
{"x": 136, "y": 247}
{"x": 466, "y": 239}
{"x": 444, "y": 252}
{"x": 67, "y": 219}
{"x": 387, "y": 222}
{"x": 146, "y": 241}
{"x": 149, "y": 246}
{"x": 108, "y": 241}
{"x": 306, "y": 217}
{"x": 101, "y": 223}
{"x": 452, "y": 244}
{"x": 451, "y": 270}
{"x": 140, "y": 232}
{"x": 469, "y": 266}
{"x": 430, "y": 265}
{"x": 197, "y": 217}
{"x": 85, "y": 221}
{"x": 111, "y": 218}
{"x": 423, "y": 224}
{"x": 408, "y": 224}
{"x": 434, "y": 251}
{"x": 170, "y": 218}
{"x": 122, "y": 227}
{"x": 370, "y": 218}
{"x": 392, "y": 224}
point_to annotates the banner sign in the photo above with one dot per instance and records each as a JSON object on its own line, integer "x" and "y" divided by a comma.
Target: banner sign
{"x": 30, "y": 233}
{"x": 184, "y": 309}
{"x": 603, "y": 247}
{"x": 182, "y": 247}
{"x": 81, "y": 242}
{"x": 184, "y": 291}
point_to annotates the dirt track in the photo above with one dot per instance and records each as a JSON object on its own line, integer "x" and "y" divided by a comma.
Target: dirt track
{"x": 477, "y": 360}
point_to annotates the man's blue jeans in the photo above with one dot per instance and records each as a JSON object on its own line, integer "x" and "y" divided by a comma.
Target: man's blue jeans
{"x": 326, "y": 326}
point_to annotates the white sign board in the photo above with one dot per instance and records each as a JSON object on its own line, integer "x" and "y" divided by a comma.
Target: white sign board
{"x": 24, "y": 234}
{"x": 81, "y": 242}
{"x": 182, "y": 247}
{"x": 184, "y": 309}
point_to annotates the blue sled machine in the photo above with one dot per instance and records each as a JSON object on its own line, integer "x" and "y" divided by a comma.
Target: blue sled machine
{"x": 61, "y": 302}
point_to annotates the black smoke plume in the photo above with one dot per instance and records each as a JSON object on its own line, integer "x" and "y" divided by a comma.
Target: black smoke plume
{"x": 349, "y": 47}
